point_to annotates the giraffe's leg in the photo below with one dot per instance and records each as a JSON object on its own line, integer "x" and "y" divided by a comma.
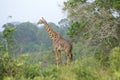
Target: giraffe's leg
{"x": 60, "y": 58}
{"x": 57, "y": 57}
{"x": 69, "y": 56}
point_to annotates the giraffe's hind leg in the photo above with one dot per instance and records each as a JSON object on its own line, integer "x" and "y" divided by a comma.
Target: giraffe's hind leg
{"x": 69, "y": 56}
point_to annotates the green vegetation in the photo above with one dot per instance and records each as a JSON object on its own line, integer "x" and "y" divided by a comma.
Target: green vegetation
{"x": 87, "y": 67}
{"x": 26, "y": 50}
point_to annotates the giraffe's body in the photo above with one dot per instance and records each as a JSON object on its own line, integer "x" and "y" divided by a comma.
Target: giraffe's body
{"x": 59, "y": 43}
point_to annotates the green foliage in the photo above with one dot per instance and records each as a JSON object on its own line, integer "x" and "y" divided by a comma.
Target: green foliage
{"x": 6, "y": 63}
{"x": 2, "y": 48}
{"x": 73, "y": 31}
{"x": 8, "y": 30}
{"x": 114, "y": 59}
{"x": 1, "y": 68}
{"x": 87, "y": 67}
{"x": 26, "y": 32}
{"x": 26, "y": 37}
{"x": 103, "y": 59}
{"x": 94, "y": 25}
{"x": 31, "y": 70}
{"x": 8, "y": 66}
{"x": 8, "y": 35}
{"x": 109, "y": 4}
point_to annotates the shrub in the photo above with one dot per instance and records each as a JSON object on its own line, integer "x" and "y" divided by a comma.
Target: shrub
{"x": 31, "y": 70}
{"x": 114, "y": 59}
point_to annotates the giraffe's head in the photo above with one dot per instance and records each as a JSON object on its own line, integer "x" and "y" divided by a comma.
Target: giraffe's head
{"x": 42, "y": 21}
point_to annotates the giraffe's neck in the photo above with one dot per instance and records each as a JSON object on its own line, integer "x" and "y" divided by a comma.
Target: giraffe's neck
{"x": 53, "y": 35}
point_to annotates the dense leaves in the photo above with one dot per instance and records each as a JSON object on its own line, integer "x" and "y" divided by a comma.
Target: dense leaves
{"x": 94, "y": 24}
{"x": 114, "y": 4}
{"x": 9, "y": 39}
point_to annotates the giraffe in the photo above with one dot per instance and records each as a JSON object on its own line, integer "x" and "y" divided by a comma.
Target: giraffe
{"x": 59, "y": 43}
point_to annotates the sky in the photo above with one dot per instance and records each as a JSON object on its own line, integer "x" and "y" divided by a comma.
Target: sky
{"x": 31, "y": 10}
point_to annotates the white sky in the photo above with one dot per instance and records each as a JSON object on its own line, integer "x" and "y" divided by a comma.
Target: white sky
{"x": 30, "y": 10}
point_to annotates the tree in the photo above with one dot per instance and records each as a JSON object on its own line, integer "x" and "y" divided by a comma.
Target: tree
{"x": 109, "y": 4}
{"x": 94, "y": 25}
{"x": 8, "y": 35}
{"x": 63, "y": 23}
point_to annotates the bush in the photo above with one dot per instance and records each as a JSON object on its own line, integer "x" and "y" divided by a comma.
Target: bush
{"x": 87, "y": 67}
{"x": 114, "y": 61}
{"x": 31, "y": 70}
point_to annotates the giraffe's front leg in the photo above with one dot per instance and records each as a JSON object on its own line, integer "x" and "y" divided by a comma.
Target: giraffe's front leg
{"x": 57, "y": 57}
{"x": 60, "y": 58}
